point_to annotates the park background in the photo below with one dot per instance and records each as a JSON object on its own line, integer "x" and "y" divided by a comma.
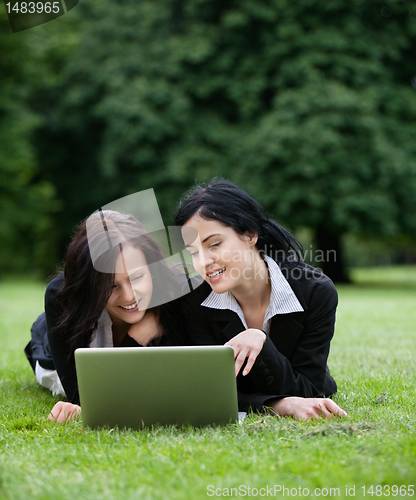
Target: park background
{"x": 311, "y": 107}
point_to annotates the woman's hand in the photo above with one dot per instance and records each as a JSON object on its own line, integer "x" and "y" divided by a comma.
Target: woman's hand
{"x": 306, "y": 408}
{"x": 62, "y": 412}
{"x": 247, "y": 344}
{"x": 146, "y": 329}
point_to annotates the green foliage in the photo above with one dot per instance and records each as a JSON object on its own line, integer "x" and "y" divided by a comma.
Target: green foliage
{"x": 26, "y": 202}
{"x": 372, "y": 359}
{"x": 337, "y": 140}
{"x": 306, "y": 104}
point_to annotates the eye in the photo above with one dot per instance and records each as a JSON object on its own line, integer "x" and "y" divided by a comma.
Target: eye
{"x": 215, "y": 245}
{"x": 194, "y": 253}
{"x": 136, "y": 278}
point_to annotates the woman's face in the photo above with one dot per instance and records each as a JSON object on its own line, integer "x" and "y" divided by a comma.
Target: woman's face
{"x": 220, "y": 255}
{"x": 132, "y": 289}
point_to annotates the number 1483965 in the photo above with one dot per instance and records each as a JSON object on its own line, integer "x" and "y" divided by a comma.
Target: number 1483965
{"x": 34, "y": 7}
{"x": 387, "y": 490}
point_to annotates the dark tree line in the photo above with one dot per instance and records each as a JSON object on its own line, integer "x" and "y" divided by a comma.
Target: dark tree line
{"x": 308, "y": 105}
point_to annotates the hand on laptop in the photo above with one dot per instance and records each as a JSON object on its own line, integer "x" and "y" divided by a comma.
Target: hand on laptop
{"x": 62, "y": 412}
{"x": 306, "y": 408}
{"x": 247, "y": 345}
{"x": 146, "y": 329}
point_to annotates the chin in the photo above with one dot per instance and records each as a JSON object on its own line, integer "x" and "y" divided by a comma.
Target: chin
{"x": 136, "y": 318}
{"x": 220, "y": 287}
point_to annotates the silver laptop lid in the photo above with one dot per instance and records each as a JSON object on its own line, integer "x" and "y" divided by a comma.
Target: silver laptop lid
{"x": 141, "y": 387}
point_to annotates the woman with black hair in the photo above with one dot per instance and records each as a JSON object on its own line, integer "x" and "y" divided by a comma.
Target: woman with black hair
{"x": 275, "y": 311}
{"x": 115, "y": 290}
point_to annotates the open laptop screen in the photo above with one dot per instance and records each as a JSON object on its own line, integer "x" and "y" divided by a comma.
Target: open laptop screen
{"x": 141, "y": 387}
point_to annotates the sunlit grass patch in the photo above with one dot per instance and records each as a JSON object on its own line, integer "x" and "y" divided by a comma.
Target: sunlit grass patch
{"x": 372, "y": 359}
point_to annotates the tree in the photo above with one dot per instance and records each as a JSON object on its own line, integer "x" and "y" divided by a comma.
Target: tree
{"x": 337, "y": 144}
{"x": 307, "y": 104}
{"x": 25, "y": 203}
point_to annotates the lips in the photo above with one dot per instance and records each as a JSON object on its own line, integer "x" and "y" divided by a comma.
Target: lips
{"x": 131, "y": 307}
{"x": 217, "y": 273}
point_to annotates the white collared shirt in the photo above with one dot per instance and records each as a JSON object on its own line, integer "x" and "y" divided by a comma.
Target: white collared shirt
{"x": 282, "y": 298}
{"x": 103, "y": 334}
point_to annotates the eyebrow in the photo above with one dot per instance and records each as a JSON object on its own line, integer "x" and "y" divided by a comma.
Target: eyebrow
{"x": 206, "y": 239}
{"x": 135, "y": 270}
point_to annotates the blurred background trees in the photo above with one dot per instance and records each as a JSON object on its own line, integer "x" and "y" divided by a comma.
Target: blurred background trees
{"x": 26, "y": 203}
{"x": 309, "y": 106}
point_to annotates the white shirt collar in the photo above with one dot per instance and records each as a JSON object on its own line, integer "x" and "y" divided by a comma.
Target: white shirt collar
{"x": 282, "y": 298}
{"x": 103, "y": 335}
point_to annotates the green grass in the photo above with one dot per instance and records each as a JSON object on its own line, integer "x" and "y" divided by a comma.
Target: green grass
{"x": 390, "y": 275}
{"x": 372, "y": 358}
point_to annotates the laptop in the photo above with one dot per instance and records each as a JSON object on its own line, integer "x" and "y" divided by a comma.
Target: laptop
{"x": 142, "y": 387}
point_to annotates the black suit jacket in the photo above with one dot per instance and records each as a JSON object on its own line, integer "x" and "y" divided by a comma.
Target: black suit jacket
{"x": 51, "y": 346}
{"x": 293, "y": 361}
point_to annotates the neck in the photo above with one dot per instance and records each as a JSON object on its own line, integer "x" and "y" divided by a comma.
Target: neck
{"x": 119, "y": 329}
{"x": 256, "y": 290}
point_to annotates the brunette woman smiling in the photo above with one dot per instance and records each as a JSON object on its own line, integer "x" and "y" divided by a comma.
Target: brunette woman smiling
{"x": 275, "y": 311}
{"x": 115, "y": 290}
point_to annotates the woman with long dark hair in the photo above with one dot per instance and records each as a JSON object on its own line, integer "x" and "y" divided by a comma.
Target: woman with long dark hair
{"x": 115, "y": 290}
{"x": 275, "y": 311}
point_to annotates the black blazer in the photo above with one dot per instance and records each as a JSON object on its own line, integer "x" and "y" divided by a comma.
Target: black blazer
{"x": 293, "y": 361}
{"x": 51, "y": 347}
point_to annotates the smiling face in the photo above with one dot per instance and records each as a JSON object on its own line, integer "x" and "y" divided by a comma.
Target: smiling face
{"x": 132, "y": 289}
{"x": 222, "y": 257}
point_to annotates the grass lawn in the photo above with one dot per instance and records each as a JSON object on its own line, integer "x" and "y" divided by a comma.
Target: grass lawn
{"x": 372, "y": 359}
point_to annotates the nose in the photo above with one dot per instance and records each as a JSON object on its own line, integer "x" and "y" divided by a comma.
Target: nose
{"x": 208, "y": 259}
{"x": 127, "y": 292}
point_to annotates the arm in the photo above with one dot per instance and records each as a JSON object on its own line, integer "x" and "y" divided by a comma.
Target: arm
{"x": 247, "y": 345}
{"x": 290, "y": 406}
{"x": 303, "y": 372}
{"x": 202, "y": 330}
{"x": 58, "y": 342}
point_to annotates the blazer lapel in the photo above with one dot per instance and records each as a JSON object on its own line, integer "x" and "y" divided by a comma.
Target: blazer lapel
{"x": 229, "y": 322}
{"x": 285, "y": 332}
{"x": 285, "y": 328}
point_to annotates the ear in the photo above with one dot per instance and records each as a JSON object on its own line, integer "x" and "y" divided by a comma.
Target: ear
{"x": 252, "y": 238}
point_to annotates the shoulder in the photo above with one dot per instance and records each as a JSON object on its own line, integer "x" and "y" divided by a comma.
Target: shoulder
{"x": 197, "y": 296}
{"x": 309, "y": 283}
{"x": 53, "y": 288}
